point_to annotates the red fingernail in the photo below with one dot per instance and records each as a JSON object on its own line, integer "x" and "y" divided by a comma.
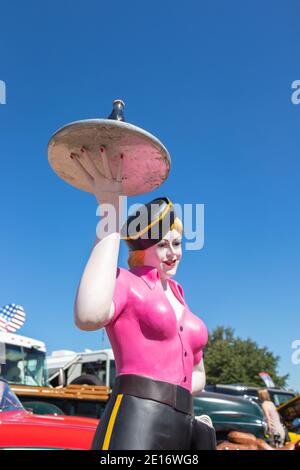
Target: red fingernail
{"x": 71, "y": 156}
{"x": 121, "y": 155}
{"x": 101, "y": 149}
{"x": 82, "y": 149}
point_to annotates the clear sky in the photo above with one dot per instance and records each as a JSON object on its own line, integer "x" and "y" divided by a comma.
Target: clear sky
{"x": 212, "y": 80}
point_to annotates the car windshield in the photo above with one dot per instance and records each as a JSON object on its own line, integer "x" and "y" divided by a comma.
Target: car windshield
{"x": 8, "y": 400}
{"x": 24, "y": 366}
{"x": 281, "y": 397}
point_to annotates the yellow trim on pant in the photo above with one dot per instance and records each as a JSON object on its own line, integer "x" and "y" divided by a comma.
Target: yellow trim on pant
{"x": 111, "y": 423}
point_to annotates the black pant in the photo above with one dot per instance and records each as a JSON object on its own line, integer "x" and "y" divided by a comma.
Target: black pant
{"x": 134, "y": 423}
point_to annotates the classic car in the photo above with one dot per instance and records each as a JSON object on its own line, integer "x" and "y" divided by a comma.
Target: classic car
{"x": 21, "y": 429}
{"x": 229, "y": 413}
{"x": 278, "y": 395}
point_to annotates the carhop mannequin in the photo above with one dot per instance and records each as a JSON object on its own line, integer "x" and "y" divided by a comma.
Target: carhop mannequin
{"x": 157, "y": 341}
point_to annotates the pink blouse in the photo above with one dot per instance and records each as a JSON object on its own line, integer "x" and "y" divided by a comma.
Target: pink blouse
{"x": 146, "y": 337}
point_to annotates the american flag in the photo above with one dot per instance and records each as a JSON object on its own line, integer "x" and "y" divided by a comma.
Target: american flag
{"x": 267, "y": 379}
{"x": 12, "y": 317}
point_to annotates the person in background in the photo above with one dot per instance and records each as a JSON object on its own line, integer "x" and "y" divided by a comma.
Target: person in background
{"x": 275, "y": 427}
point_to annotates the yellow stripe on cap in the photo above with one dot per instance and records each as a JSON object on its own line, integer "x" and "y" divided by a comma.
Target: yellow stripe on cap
{"x": 138, "y": 235}
{"x": 111, "y": 423}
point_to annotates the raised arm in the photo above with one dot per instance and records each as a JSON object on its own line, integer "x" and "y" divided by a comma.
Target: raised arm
{"x": 93, "y": 306}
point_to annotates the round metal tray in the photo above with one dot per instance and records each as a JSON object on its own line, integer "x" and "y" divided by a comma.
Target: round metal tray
{"x": 146, "y": 161}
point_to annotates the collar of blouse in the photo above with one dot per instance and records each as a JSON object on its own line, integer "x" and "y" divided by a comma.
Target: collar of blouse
{"x": 150, "y": 276}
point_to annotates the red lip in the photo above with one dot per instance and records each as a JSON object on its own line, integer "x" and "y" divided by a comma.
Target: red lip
{"x": 170, "y": 263}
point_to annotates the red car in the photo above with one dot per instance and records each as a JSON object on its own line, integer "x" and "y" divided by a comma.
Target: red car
{"x": 20, "y": 429}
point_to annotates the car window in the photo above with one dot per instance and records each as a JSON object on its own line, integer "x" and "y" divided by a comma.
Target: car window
{"x": 280, "y": 398}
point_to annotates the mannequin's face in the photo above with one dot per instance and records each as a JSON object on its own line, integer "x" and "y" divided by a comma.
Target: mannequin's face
{"x": 165, "y": 255}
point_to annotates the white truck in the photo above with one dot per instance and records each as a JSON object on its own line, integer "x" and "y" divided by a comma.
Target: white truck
{"x": 87, "y": 367}
{"x": 23, "y": 360}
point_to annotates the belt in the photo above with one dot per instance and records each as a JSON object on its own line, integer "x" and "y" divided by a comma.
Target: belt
{"x": 164, "y": 392}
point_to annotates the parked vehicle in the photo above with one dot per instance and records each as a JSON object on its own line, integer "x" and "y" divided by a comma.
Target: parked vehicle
{"x": 290, "y": 414}
{"x": 21, "y": 429}
{"x": 229, "y": 413}
{"x": 278, "y": 395}
{"x": 87, "y": 367}
{"x": 74, "y": 400}
{"x": 23, "y": 360}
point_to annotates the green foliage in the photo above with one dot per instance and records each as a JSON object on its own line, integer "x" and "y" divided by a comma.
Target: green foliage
{"x": 229, "y": 359}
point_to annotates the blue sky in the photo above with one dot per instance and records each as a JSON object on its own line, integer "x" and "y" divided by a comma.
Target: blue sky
{"x": 212, "y": 80}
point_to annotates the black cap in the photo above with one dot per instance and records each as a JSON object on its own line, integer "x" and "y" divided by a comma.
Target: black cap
{"x": 149, "y": 224}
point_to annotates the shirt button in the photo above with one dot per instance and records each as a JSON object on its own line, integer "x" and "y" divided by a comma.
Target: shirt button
{"x": 185, "y": 353}
{"x": 181, "y": 328}
{"x": 184, "y": 379}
